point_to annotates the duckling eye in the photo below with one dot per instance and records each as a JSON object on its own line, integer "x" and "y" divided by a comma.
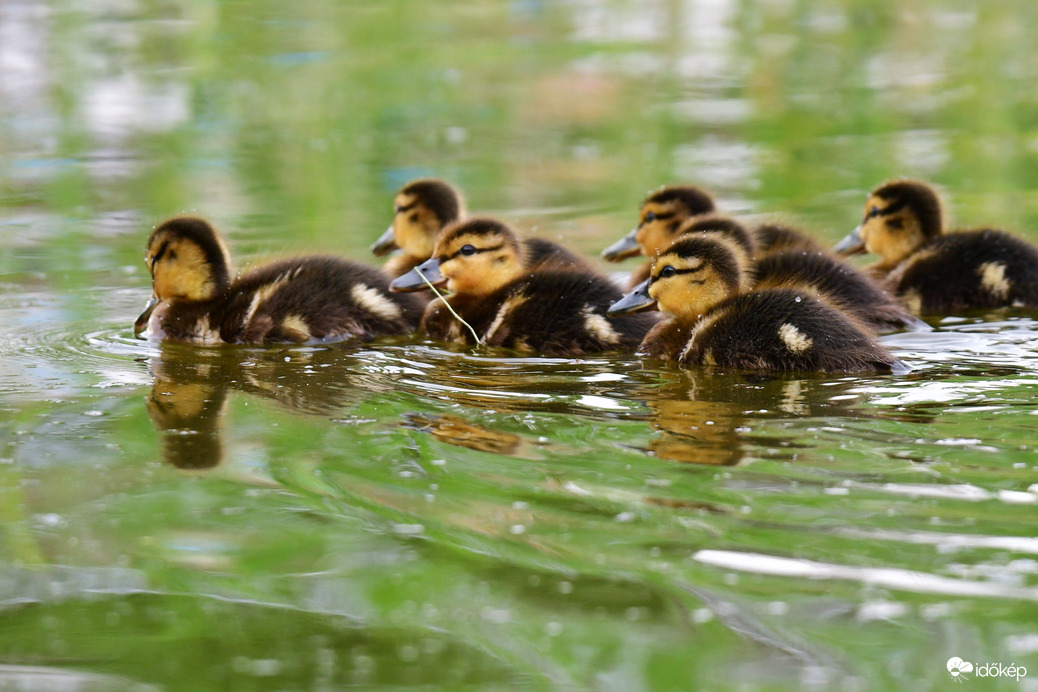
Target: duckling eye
{"x": 467, "y": 250}
{"x": 667, "y": 271}
{"x": 649, "y": 217}
{"x": 873, "y": 211}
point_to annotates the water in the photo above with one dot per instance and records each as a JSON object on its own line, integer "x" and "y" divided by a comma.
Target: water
{"x": 402, "y": 513}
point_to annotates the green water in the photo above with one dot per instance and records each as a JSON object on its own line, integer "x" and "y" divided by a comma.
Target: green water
{"x": 401, "y": 514}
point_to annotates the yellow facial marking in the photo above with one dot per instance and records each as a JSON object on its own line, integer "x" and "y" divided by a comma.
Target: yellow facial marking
{"x": 656, "y": 227}
{"x": 893, "y": 236}
{"x": 179, "y": 269}
{"x": 478, "y": 264}
{"x": 415, "y": 227}
{"x": 686, "y": 295}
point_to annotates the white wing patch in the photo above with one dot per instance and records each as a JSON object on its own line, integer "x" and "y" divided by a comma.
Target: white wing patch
{"x": 204, "y": 333}
{"x": 600, "y": 327}
{"x": 993, "y": 278}
{"x": 794, "y": 339}
{"x": 259, "y": 297}
{"x": 296, "y": 327}
{"x": 373, "y": 301}
{"x": 499, "y": 319}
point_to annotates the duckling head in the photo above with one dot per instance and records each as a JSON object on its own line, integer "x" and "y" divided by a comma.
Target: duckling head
{"x": 726, "y": 228}
{"x": 421, "y": 210}
{"x": 473, "y": 257}
{"x": 694, "y": 274}
{"x": 899, "y": 217}
{"x": 661, "y": 214}
{"x": 188, "y": 261}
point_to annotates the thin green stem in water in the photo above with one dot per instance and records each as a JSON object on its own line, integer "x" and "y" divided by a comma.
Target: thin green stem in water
{"x": 444, "y": 301}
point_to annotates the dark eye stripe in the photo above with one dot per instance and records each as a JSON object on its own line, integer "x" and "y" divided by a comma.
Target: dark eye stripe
{"x": 409, "y": 207}
{"x": 660, "y": 216}
{"x": 477, "y": 251}
{"x": 897, "y": 205}
{"x": 679, "y": 271}
{"x": 160, "y": 253}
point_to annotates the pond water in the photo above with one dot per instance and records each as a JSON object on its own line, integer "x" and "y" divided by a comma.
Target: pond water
{"x": 402, "y": 513}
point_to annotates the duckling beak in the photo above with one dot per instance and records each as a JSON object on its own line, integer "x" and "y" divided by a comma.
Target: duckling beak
{"x": 385, "y": 244}
{"x": 623, "y": 248}
{"x": 141, "y": 323}
{"x": 852, "y": 244}
{"x": 413, "y": 281}
{"x": 635, "y": 301}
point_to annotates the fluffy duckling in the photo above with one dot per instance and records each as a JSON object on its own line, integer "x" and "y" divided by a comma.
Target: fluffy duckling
{"x": 791, "y": 264}
{"x": 938, "y": 273}
{"x": 701, "y": 283}
{"x": 550, "y": 311}
{"x": 665, "y": 215}
{"x": 423, "y": 208}
{"x": 302, "y": 300}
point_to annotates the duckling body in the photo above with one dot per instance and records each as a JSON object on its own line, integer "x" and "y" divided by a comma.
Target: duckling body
{"x": 936, "y": 272}
{"x": 782, "y": 329}
{"x": 301, "y": 300}
{"x": 843, "y": 285}
{"x": 790, "y": 263}
{"x": 701, "y": 282}
{"x": 423, "y": 208}
{"x": 550, "y": 311}
{"x": 779, "y": 237}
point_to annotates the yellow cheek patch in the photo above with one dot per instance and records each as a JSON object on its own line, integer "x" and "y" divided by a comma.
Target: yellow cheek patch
{"x": 183, "y": 273}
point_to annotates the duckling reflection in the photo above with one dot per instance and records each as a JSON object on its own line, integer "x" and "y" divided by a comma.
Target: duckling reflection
{"x": 710, "y": 419}
{"x": 191, "y": 388}
{"x": 457, "y": 431}
{"x": 696, "y": 425}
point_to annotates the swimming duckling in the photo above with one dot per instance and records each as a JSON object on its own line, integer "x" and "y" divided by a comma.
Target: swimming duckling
{"x": 551, "y": 311}
{"x": 302, "y": 300}
{"x": 791, "y": 264}
{"x": 423, "y": 208}
{"x": 701, "y": 283}
{"x": 665, "y": 215}
{"x": 659, "y": 218}
{"x": 938, "y": 273}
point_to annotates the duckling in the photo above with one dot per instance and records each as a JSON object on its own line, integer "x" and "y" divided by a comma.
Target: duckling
{"x": 556, "y": 312}
{"x": 664, "y": 215}
{"x": 792, "y": 264}
{"x": 659, "y": 218}
{"x": 702, "y": 284}
{"x": 936, "y": 272}
{"x": 423, "y": 208}
{"x": 302, "y": 300}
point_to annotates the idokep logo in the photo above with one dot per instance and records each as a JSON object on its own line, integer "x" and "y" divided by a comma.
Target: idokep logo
{"x": 959, "y": 668}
